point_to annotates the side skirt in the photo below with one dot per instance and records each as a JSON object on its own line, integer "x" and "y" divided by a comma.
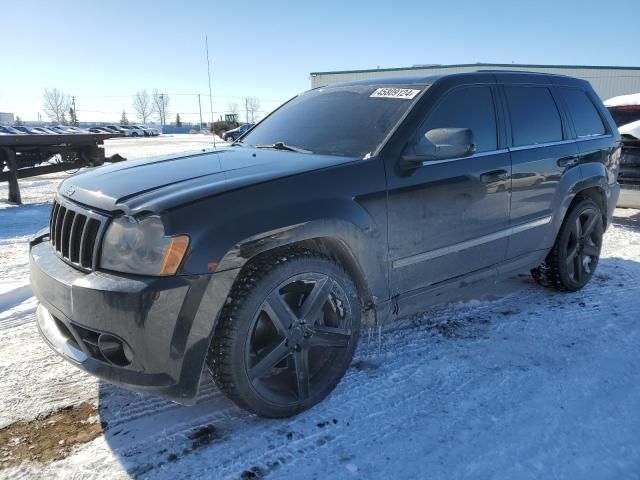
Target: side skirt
{"x": 441, "y": 293}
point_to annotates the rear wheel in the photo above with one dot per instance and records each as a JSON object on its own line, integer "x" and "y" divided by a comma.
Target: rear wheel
{"x": 288, "y": 334}
{"x": 575, "y": 254}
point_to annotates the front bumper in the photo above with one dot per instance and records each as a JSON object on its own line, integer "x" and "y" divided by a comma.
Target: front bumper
{"x": 164, "y": 323}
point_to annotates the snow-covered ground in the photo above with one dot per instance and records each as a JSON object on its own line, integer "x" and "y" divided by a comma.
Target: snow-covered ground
{"x": 516, "y": 382}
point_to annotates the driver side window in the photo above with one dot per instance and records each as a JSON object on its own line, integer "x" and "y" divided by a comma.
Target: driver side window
{"x": 466, "y": 107}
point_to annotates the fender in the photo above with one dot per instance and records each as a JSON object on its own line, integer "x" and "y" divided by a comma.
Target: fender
{"x": 363, "y": 249}
{"x": 345, "y": 204}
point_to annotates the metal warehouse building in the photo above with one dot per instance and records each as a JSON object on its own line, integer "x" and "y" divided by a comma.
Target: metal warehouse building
{"x": 606, "y": 80}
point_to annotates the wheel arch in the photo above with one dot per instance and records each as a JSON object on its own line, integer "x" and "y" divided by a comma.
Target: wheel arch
{"x": 595, "y": 188}
{"x": 339, "y": 240}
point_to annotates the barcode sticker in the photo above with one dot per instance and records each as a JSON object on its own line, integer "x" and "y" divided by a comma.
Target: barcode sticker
{"x": 386, "y": 92}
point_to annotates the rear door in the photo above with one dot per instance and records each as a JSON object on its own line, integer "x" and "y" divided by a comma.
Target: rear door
{"x": 542, "y": 149}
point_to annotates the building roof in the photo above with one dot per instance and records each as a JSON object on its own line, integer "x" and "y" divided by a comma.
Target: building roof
{"x": 479, "y": 65}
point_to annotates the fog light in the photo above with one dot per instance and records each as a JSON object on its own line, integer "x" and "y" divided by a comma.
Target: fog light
{"x": 114, "y": 350}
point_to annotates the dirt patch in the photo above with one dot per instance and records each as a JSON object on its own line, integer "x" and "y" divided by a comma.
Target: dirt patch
{"x": 203, "y": 436}
{"x": 49, "y": 438}
{"x": 450, "y": 329}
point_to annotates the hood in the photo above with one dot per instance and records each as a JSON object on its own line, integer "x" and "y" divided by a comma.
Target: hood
{"x": 159, "y": 183}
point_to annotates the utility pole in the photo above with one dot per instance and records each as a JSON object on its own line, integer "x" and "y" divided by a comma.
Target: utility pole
{"x": 206, "y": 41}
{"x": 162, "y": 119}
{"x": 200, "y": 107}
{"x": 73, "y": 101}
{"x": 246, "y": 109}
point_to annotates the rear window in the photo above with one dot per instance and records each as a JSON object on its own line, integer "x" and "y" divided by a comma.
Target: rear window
{"x": 534, "y": 116}
{"x": 586, "y": 118}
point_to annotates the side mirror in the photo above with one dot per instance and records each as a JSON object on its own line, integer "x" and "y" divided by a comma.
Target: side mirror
{"x": 439, "y": 144}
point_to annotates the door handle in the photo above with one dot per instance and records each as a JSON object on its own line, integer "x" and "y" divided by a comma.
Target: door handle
{"x": 569, "y": 161}
{"x": 494, "y": 176}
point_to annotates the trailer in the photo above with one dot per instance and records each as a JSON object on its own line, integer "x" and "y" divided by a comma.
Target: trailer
{"x": 23, "y": 156}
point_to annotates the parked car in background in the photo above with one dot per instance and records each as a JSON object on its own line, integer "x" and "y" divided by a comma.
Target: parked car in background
{"x": 142, "y": 132}
{"x": 61, "y": 129}
{"x": 28, "y": 130}
{"x": 232, "y": 135}
{"x": 44, "y": 131}
{"x": 625, "y": 110}
{"x": 10, "y": 130}
{"x": 118, "y": 129}
{"x": 74, "y": 129}
{"x": 132, "y": 132}
{"x": 99, "y": 130}
{"x": 321, "y": 229}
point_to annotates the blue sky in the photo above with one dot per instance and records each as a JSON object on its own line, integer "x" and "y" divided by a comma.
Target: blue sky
{"x": 103, "y": 52}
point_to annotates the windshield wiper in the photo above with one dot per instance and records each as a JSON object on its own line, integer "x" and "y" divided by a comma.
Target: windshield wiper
{"x": 283, "y": 146}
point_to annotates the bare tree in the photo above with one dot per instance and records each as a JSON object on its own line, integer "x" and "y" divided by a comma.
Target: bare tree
{"x": 232, "y": 108}
{"x": 142, "y": 105}
{"x": 161, "y": 106}
{"x": 252, "y": 106}
{"x": 56, "y": 103}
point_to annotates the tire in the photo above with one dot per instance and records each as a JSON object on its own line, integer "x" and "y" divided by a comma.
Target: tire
{"x": 287, "y": 334}
{"x": 574, "y": 257}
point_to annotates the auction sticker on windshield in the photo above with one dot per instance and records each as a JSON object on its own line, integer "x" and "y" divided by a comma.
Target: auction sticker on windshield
{"x": 407, "y": 93}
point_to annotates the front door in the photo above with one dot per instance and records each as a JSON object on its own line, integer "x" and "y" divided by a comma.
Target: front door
{"x": 451, "y": 217}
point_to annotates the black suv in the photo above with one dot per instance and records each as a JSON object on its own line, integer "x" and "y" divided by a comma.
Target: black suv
{"x": 349, "y": 206}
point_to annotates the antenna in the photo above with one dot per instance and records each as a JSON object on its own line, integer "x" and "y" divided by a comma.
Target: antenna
{"x": 206, "y": 41}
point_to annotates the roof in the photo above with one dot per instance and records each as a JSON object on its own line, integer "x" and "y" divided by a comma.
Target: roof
{"x": 431, "y": 79}
{"x": 479, "y": 65}
{"x": 408, "y": 80}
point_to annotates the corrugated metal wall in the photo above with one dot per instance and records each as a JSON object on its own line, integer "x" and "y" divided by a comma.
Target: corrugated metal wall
{"x": 607, "y": 82}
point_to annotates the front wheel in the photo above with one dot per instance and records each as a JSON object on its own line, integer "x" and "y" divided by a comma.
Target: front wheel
{"x": 288, "y": 334}
{"x": 575, "y": 254}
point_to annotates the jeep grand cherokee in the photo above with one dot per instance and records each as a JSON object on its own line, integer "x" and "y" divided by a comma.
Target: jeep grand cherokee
{"x": 350, "y": 205}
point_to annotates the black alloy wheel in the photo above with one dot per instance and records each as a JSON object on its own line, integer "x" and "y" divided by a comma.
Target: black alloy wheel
{"x": 297, "y": 334}
{"x": 288, "y": 336}
{"x": 584, "y": 243}
{"x": 574, "y": 257}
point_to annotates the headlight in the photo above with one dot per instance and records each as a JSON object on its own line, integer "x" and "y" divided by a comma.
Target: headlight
{"x": 141, "y": 247}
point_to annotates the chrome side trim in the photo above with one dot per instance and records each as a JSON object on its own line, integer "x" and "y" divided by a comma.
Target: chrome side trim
{"x": 474, "y": 242}
{"x": 540, "y": 145}
{"x": 593, "y": 137}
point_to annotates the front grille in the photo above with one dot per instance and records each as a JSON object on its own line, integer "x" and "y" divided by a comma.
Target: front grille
{"x": 75, "y": 235}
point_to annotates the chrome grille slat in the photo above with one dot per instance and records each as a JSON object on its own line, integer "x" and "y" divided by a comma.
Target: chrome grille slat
{"x": 58, "y": 227}
{"x": 52, "y": 222}
{"x": 83, "y": 242}
{"x": 69, "y": 215}
{"x": 75, "y": 234}
{"x": 74, "y": 243}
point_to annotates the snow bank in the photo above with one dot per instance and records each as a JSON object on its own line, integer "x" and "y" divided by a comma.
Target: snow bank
{"x": 632, "y": 99}
{"x": 632, "y": 129}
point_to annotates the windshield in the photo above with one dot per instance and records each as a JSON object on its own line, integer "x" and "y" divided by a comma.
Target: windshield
{"x": 349, "y": 121}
